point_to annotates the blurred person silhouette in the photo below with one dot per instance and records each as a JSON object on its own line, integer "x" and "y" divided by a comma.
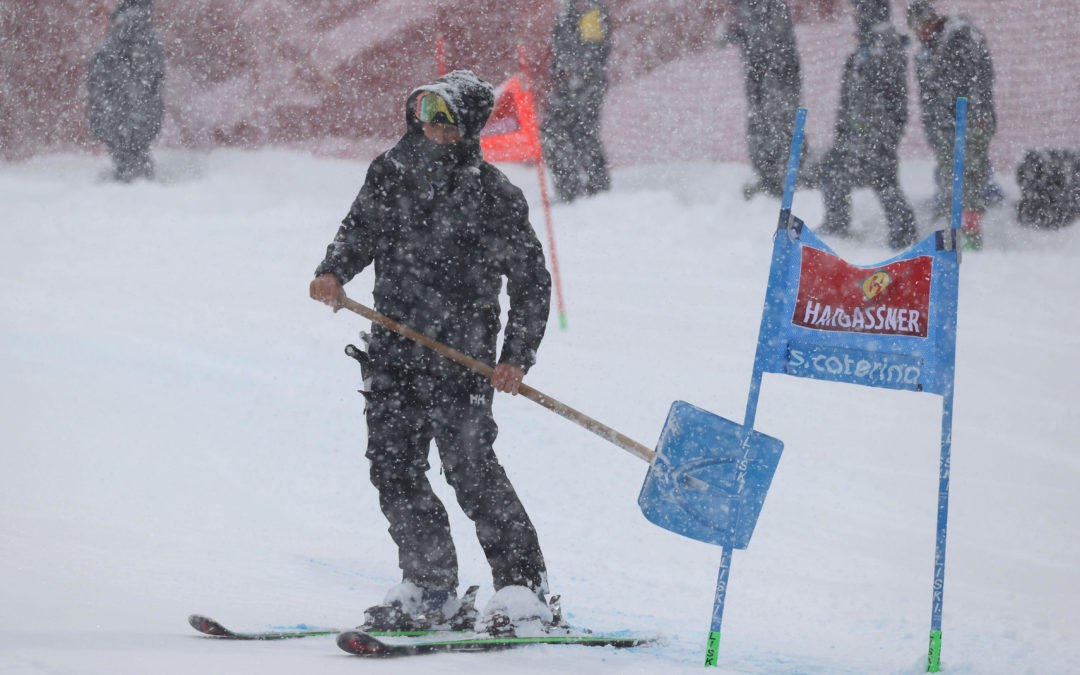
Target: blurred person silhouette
{"x": 570, "y": 129}
{"x": 869, "y": 124}
{"x": 763, "y": 31}
{"x": 124, "y": 89}
{"x": 954, "y": 61}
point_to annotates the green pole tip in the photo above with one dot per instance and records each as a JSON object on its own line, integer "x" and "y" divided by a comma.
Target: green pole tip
{"x": 562, "y": 321}
{"x": 712, "y": 649}
{"x": 933, "y": 662}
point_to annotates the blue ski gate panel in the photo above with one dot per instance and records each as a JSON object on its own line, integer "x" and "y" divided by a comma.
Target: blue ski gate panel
{"x": 890, "y": 325}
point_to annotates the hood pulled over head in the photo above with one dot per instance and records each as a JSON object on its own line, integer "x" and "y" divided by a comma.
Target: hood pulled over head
{"x": 126, "y": 5}
{"x": 469, "y": 98}
{"x": 920, "y": 12}
{"x": 868, "y": 14}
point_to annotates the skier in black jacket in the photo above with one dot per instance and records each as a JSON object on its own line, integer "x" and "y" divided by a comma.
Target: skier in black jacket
{"x": 125, "y": 77}
{"x": 764, "y": 33}
{"x": 954, "y": 61}
{"x": 869, "y": 125}
{"x": 570, "y": 129}
{"x": 443, "y": 227}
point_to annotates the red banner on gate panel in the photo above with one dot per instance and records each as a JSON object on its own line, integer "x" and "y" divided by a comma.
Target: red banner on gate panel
{"x": 892, "y": 299}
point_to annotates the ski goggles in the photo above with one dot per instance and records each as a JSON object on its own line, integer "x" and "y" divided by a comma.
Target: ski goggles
{"x": 432, "y": 108}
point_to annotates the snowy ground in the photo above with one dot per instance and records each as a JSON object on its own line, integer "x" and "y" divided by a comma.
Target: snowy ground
{"x": 181, "y": 434}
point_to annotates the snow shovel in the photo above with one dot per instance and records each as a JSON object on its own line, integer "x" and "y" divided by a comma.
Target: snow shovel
{"x": 707, "y": 478}
{"x": 710, "y": 476}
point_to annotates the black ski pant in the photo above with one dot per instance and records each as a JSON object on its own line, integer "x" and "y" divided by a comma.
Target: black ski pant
{"x": 131, "y": 161}
{"x": 570, "y": 135}
{"x": 770, "y": 121}
{"x": 405, "y": 412}
{"x": 843, "y": 170}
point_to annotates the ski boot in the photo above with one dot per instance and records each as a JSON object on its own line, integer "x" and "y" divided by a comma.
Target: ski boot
{"x": 409, "y": 608}
{"x": 902, "y": 237}
{"x": 971, "y": 230}
{"x": 519, "y": 611}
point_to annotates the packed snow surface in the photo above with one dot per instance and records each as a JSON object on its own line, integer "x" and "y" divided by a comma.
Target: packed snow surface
{"x": 181, "y": 433}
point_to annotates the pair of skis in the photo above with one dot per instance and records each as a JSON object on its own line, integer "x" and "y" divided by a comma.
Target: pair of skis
{"x": 364, "y": 644}
{"x": 385, "y": 643}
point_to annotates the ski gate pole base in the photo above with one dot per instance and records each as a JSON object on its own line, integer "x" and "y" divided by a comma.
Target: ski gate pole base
{"x": 933, "y": 664}
{"x": 712, "y": 648}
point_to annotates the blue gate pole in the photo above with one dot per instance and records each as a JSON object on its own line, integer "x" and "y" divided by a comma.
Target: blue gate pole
{"x": 791, "y": 174}
{"x": 933, "y": 661}
{"x": 712, "y": 648}
{"x": 959, "y": 147}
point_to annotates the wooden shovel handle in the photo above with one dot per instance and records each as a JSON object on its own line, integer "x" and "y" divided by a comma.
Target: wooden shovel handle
{"x": 579, "y": 418}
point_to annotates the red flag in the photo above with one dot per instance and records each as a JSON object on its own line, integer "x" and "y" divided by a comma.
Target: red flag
{"x": 512, "y": 133}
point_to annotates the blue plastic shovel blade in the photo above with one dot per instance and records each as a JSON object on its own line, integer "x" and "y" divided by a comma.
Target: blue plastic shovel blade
{"x": 709, "y": 478}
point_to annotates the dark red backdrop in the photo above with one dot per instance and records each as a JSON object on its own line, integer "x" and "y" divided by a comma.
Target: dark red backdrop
{"x": 294, "y": 71}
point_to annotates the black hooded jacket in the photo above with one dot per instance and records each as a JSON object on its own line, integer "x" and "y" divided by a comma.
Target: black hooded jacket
{"x": 766, "y": 36}
{"x": 955, "y": 62}
{"x": 873, "y": 90}
{"x": 579, "y": 59}
{"x": 443, "y": 227}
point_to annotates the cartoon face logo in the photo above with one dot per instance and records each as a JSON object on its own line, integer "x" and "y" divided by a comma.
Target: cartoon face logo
{"x": 875, "y": 284}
